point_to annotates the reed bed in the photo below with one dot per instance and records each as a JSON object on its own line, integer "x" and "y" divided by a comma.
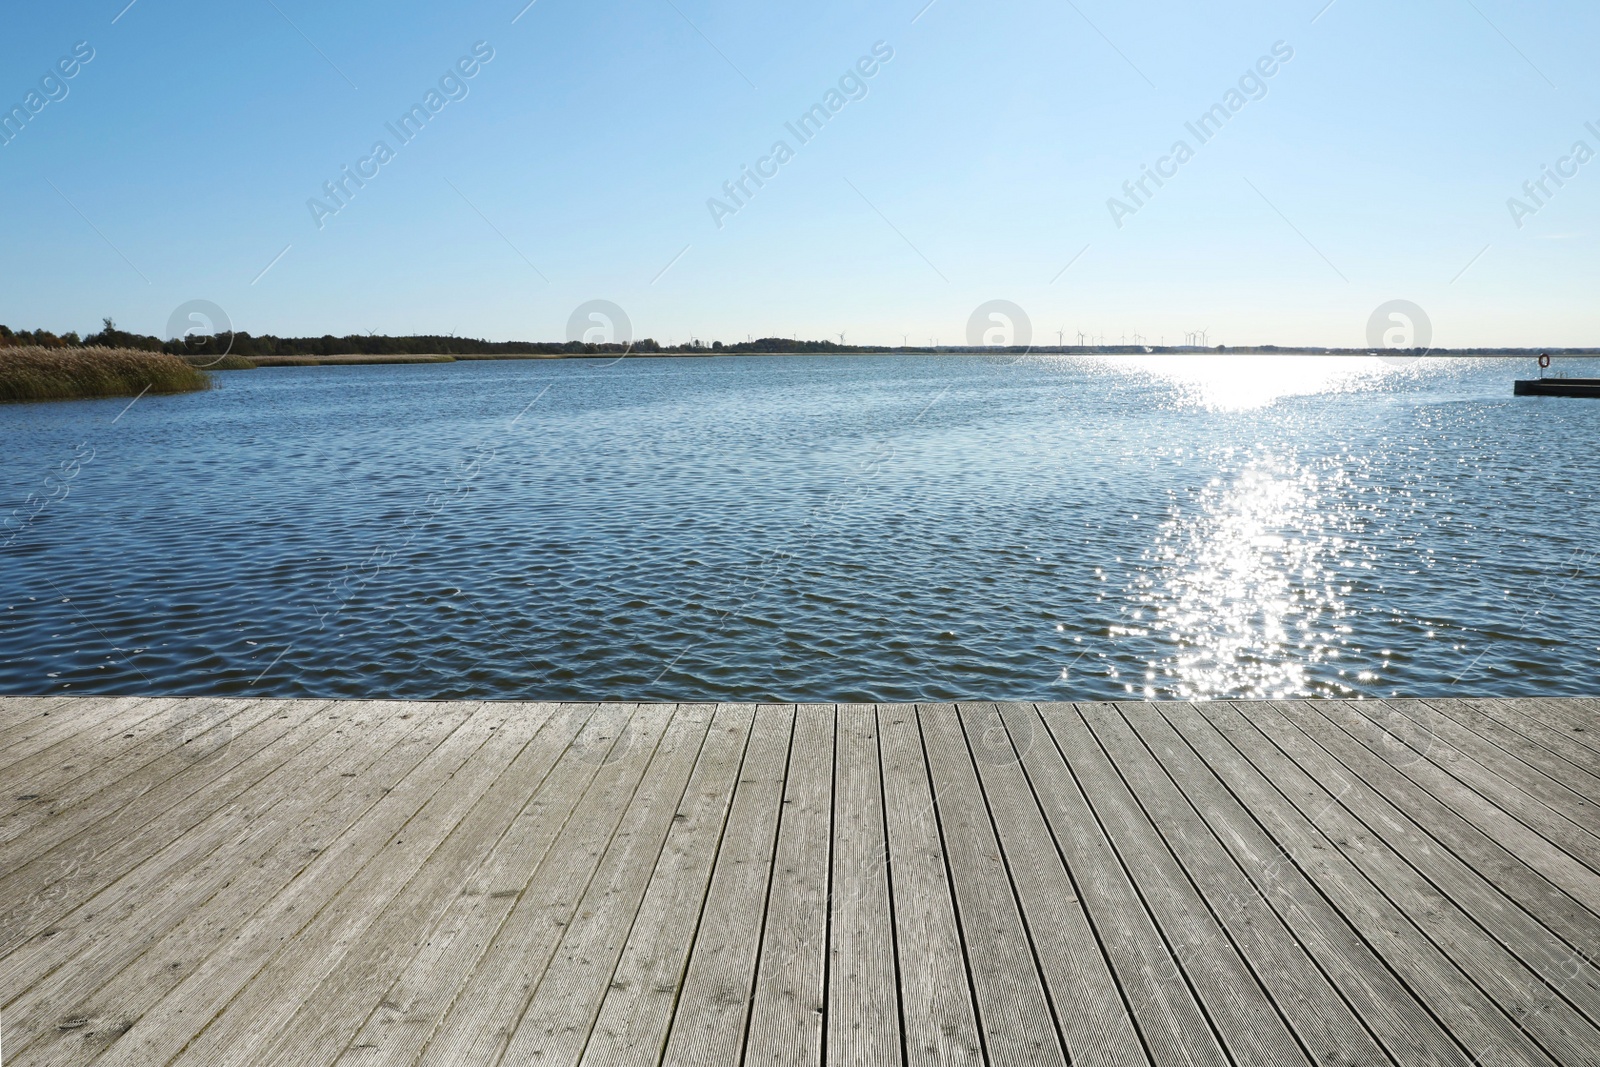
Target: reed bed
{"x": 29, "y": 373}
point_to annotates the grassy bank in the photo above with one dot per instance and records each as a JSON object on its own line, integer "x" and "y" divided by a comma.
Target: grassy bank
{"x": 77, "y": 373}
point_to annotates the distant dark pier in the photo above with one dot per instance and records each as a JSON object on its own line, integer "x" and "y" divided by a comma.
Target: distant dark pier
{"x": 1559, "y": 387}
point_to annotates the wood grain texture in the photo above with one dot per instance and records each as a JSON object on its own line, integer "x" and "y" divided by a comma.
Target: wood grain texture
{"x": 273, "y": 932}
{"x": 708, "y": 1023}
{"x": 1578, "y": 744}
{"x": 1388, "y": 792}
{"x": 68, "y": 726}
{"x": 159, "y": 920}
{"x": 487, "y": 1010}
{"x": 1014, "y": 1015}
{"x": 1202, "y": 954}
{"x": 1401, "y": 1024}
{"x": 448, "y": 955}
{"x": 1509, "y": 760}
{"x": 365, "y": 883}
{"x": 1093, "y": 1020}
{"x": 15, "y": 711}
{"x": 941, "y": 1025}
{"x": 1535, "y": 747}
{"x": 1170, "y": 1021}
{"x": 559, "y": 1019}
{"x": 1323, "y": 1023}
{"x": 863, "y": 982}
{"x": 74, "y": 773}
{"x": 634, "y": 1016}
{"x": 1319, "y": 837}
{"x": 1549, "y": 859}
{"x": 1533, "y": 805}
{"x": 87, "y": 849}
{"x": 338, "y": 993}
{"x": 1578, "y": 720}
{"x": 788, "y": 1008}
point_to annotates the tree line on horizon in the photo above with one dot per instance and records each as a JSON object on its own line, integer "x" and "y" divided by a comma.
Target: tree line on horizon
{"x": 268, "y": 345}
{"x": 244, "y": 344}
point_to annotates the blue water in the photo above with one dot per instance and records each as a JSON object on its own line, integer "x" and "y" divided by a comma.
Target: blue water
{"x": 827, "y": 528}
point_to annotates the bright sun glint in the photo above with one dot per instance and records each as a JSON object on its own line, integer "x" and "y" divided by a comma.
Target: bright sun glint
{"x": 1242, "y": 383}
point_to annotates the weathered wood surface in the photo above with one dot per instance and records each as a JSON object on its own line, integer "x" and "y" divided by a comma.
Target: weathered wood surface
{"x": 252, "y": 882}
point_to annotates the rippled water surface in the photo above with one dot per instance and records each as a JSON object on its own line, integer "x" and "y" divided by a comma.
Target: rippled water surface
{"x": 810, "y": 528}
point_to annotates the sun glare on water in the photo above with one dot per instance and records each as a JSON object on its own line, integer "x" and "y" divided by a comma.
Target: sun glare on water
{"x": 1250, "y": 588}
{"x": 1244, "y": 588}
{"x": 1243, "y": 383}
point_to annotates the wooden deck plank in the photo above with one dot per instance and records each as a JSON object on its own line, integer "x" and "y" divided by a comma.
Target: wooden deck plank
{"x": 486, "y": 1013}
{"x": 1478, "y": 716}
{"x": 326, "y": 1019}
{"x": 29, "y": 712}
{"x": 242, "y": 855}
{"x": 127, "y": 740}
{"x": 17, "y": 710}
{"x": 110, "y": 843}
{"x": 339, "y": 884}
{"x": 863, "y": 984}
{"x": 1172, "y": 1027}
{"x": 1014, "y": 1014}
{"x": 1553, "y": 723}
{"x": 940, "y": 1019}
{"x": 1324, "y": 1024}
{"x": 789, "y": 1005}
{"x": 708, "y": 1025}
{"x": 1528, "y": 808}
{"x": 284, "y": 1015}
{"x": 1501, "y": 774}
{"x": 27, "y": 717}
{"x": 77, "y": 774}
{"x": 634, "y": 1017}
{"x": 1579, "y": 720}
{"x": 1542, "y": 954}
{"x": 1554, "y": 863}
{"x": 1201, "y": 951}
{"x": 558, "y": 1019}
{"x": 1525, "y": 717}
{"x": 1510, "y": 875}
{"x": 65, "y": 728}
{"x": 140, "y": 794}
{"x": 184, "y": 1016}
{"x": 1090, "y": 1013}
{"x": 1408, "y": 1032}
{"x": 1451, "y": 993}
{"x": 399, "y": 1023}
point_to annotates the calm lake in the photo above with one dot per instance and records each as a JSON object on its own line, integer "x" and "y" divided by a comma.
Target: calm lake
{"x": 810, "y": 528}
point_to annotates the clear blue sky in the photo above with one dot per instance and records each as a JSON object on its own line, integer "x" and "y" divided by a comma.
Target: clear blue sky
{"x": 1378, "y": 164}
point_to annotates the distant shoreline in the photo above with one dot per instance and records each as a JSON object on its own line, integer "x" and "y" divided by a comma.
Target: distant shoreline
{"x": 232, "y": 350}
{"x": 356, "y": 359}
